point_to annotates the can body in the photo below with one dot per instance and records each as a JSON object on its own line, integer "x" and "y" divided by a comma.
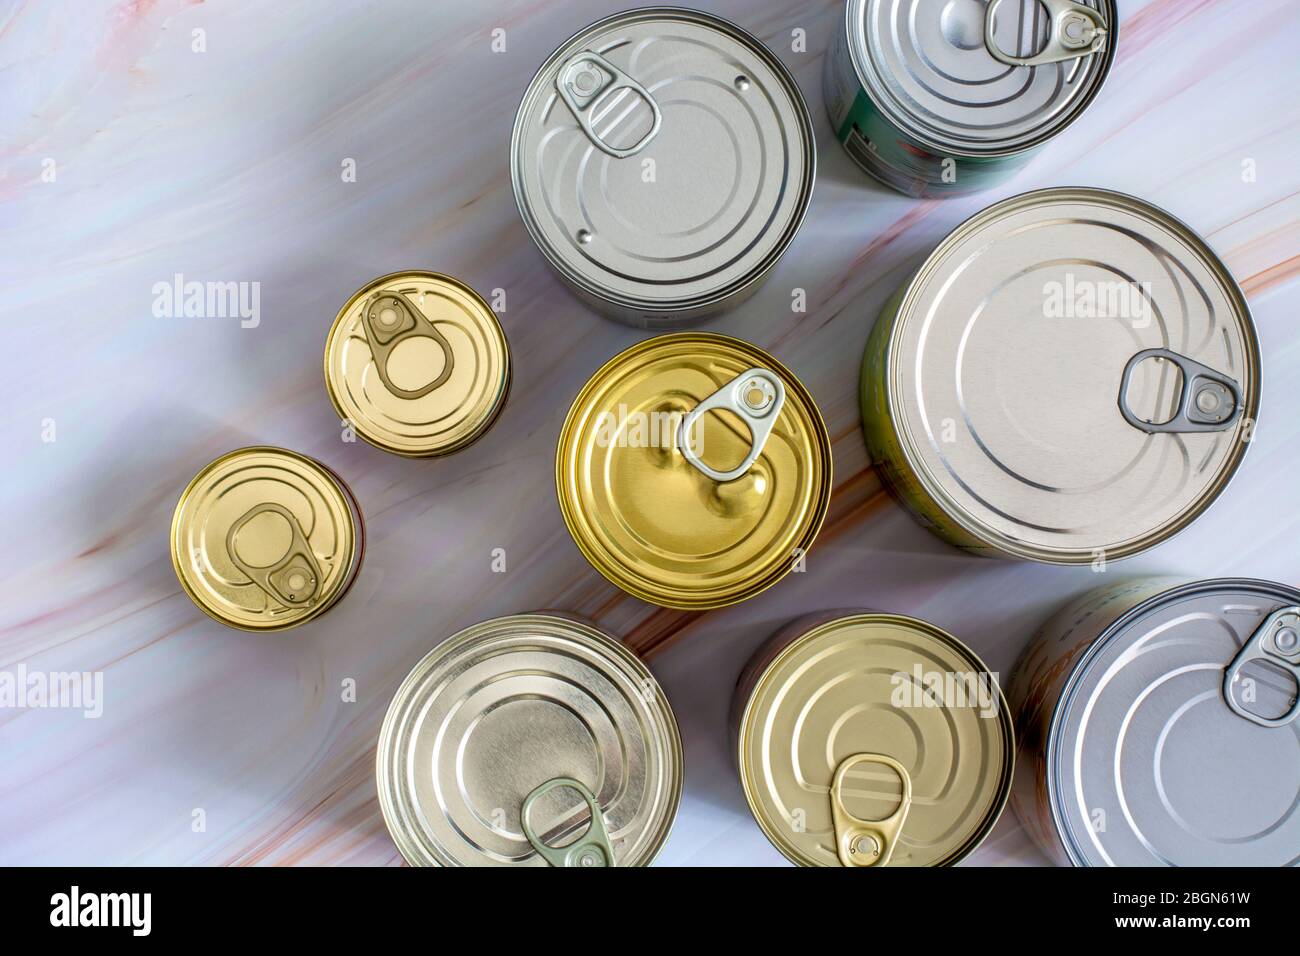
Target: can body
{"x": 888, "y": 152}
{"x": 921, "y": 101}
{"x": 1130, "y": 753}
{"x": 869, "y": 739}
{"x": 662, "y": 160}
{"x": 417, "y": 364}
{"x": 265, "y": 539}
{"x": 693, "y": 470}
{"x": 529, "y": 740}
{"x": 1024, "y": 403}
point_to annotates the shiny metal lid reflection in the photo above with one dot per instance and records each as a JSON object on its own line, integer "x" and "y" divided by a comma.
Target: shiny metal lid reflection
{"x": 1154, "y": 758}
{"x": 500, "y": 743}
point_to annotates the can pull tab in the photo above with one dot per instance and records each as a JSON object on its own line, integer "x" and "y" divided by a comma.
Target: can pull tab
{"x": 1076, "y": 30}
{"x": 756, "y": 395}
{"x": 591, "y": 849}
{"x": 294, "y": 579}
{"x": 592, "y": 87}
{"x": 1277, "y": 641}
{"x": 1209, "y": 402}
{"x": 389, "y": 319}
{"x": 861, "y": 842}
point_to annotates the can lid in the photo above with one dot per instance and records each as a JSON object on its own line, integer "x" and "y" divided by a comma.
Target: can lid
{"x": 265, "y": 538}
{"x": 1161, "y": 752}
{"x": 720, "y": 522}
{"x": 662, "y": 159}
{"x": 978, "y": 79}
{"x": 418, "y": 363}
{"x": 531, "y": 740}
{"x": 875, "y": 739}
{"x": 1073, "y": 373}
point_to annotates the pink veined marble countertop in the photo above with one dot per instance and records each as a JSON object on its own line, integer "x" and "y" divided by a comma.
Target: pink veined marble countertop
{"x": 225, "y": 165}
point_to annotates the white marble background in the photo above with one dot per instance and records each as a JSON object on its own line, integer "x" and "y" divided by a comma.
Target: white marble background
{"x": 225, "y": 165}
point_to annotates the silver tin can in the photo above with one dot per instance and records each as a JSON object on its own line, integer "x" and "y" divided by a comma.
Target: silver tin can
{"x": 945, "y": 97}
{"x": 531, "y": 740}
{"x": 1156, "y": 722}
{"x": 1071, "y": 377}
{"x": 662, "y": 160}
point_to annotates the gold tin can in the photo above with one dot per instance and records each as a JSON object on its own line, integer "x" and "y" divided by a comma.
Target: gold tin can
{"x": 418, "y": 363}
{"x": 532, "y": 740}
{"x": 693, "y": 470}
{"x": 868, "y": 739}
{"x": 264, "y": 539}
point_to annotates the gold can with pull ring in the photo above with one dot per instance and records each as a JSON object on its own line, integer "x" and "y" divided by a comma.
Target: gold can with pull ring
{"x": 417, "y": 364}
{"x": 694, "y": 470}
{"x": 868, "y": 739}
{"x": 265, "y": 539}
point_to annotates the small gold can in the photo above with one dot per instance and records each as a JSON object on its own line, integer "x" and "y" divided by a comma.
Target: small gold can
{"x": 418, "y": 364}
{"x": 694, "y": 470}
{"x": 264, "y": 539}
{"x": 869, "y": 739}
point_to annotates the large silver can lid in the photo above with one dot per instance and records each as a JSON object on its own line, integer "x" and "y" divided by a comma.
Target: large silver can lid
{"x": 976, "y": 78}
{"x": 529, "y": 740}
{"x": 1073, "y": 375}
{"x": 1175, "y": 740}
{"x": 662, "y": 160}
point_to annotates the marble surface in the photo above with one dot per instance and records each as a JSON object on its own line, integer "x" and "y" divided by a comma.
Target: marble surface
{"x": 225, "y": 164}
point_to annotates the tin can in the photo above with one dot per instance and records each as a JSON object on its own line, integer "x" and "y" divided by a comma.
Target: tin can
{"x": 662, "y": 160}
{"x": 940, "y": 98}
{"x": 417, "y": 364}
{"x": 1071, "y": 377}
{"x": 868, "y": 739}
{"x": 533, "y": 740}
{"x": 1157, "y": 726}
{"x": 264, "y": 539}
{"x": 693, "y": 470}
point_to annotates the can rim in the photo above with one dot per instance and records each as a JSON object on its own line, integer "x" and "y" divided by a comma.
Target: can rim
{"x": 1109, "y": 633}
{"x": 355, "y": 558}
{"x": 905, "y": 122}
{"x": 818, "y": 506}
{"x": 1158, "y": 217}
{"x": 807, "y": 139}
{"x": 507, "y": 367}
{"x": 610, "y": 646}
{"x": 746, "y": 773}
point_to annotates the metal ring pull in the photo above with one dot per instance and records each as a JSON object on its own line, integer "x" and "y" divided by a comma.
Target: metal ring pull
{"x": 1076, "y": 30}
{"x": 389, "y": 319}
{"x": 587, "y": 81}
{"x": 294, "y": 579}
{"x": 591, "y": 849}
{"x": 1209, "y": 402}
{"x": 1277, "y": 641}
{"x": 861, "y": 842}
{"x": 756, "y": 395}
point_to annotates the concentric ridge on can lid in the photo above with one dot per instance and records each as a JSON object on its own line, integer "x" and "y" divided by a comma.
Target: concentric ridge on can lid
{"x": 418, "y": 364}
{"x": 962, "y": 77}
{"x": 1162, "y": 752}
{"x": 529, "y": 740}
{"x": 869, "y": 739}
{"x": 264, "y": 538}
{"x": 662, "y": 160}
{"x": 1071, "y": 374}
